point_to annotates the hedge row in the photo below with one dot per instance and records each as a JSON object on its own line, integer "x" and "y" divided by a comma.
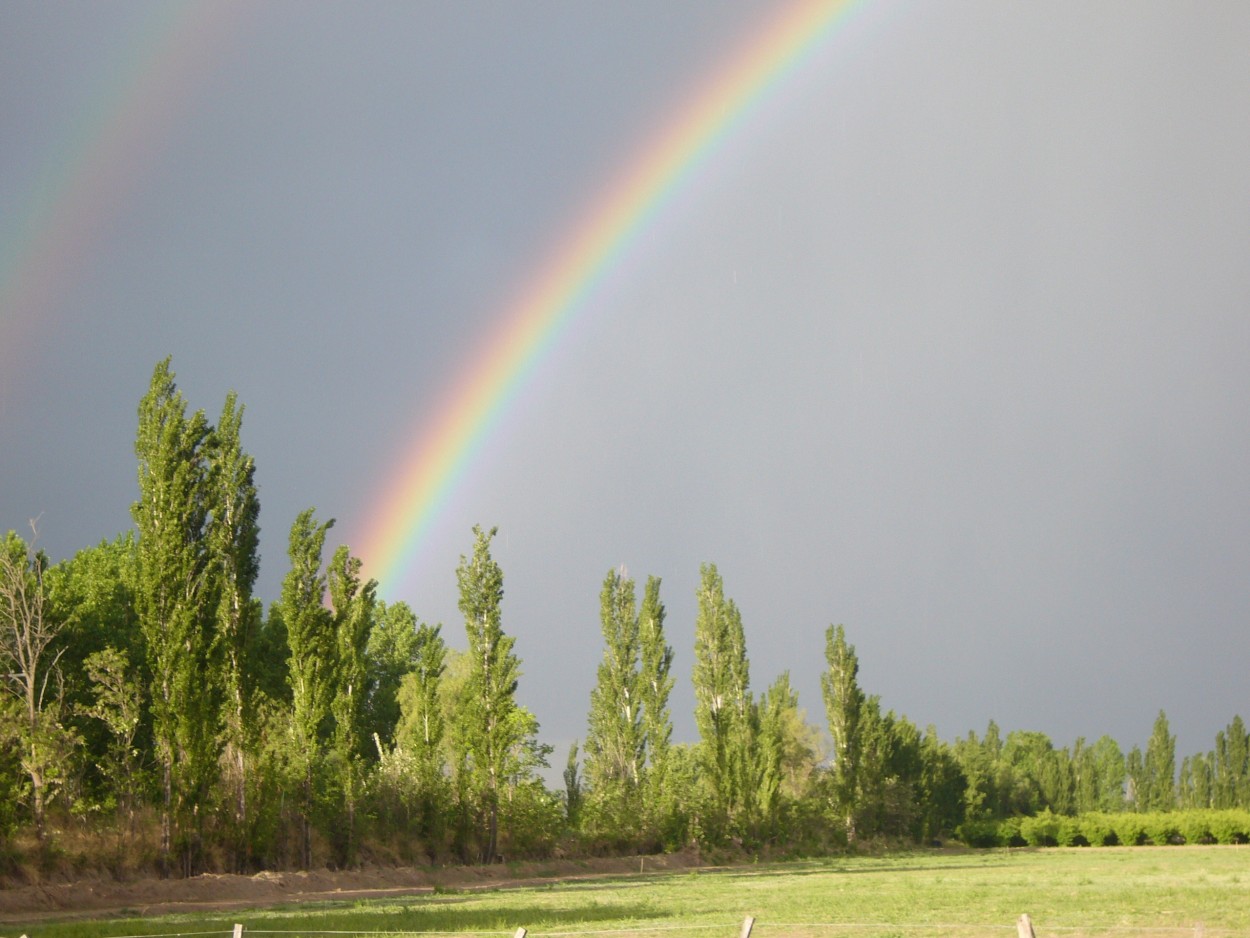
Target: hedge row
{"x": 1109, "y": 830}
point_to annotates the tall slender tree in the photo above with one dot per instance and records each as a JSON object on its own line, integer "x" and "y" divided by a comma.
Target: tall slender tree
{"x": 491, "y": 725}
{"x": 352, "y": 601}
{"x": 175, "y": 594}
{"x": 614, "y": 740}
{"x": 723, "y": 702}
{"x": 1231, "y": 766}
{"x": 777, "y": 711}
{"x": 313, "y": 662}
{"x": 843, "y": 702}
{"x": 234, "y": 536}
{"x": 1159, "y": 767}
{"x": 654, "y": 686}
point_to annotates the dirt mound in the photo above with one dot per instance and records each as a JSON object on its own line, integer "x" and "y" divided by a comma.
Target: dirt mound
{"x": 222, "y": 893}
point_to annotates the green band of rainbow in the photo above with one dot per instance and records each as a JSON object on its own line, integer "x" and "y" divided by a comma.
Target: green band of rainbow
{"x": 430, "y": 469}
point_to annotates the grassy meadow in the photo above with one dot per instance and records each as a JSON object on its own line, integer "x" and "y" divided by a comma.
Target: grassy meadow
{"x": 1109, "y": 891}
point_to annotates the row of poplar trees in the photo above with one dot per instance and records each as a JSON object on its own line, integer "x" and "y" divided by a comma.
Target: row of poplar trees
{"x": 149, "y": 694}
{"x": 760, "y": 775}
{"x": 148, "y": 686}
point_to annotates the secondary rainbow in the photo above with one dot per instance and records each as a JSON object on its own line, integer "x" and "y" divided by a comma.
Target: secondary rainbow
{"x": 102, "y": 158}
{"x": 429, "y": 470}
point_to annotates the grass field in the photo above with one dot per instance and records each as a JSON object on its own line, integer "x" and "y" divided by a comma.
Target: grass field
{"x": 1152, "y": 891}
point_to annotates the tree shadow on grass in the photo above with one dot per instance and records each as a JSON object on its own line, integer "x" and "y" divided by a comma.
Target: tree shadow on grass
{"x": 457, "y": 914}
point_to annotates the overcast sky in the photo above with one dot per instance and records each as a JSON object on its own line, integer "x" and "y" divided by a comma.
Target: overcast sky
{"x": 948, "y": 343}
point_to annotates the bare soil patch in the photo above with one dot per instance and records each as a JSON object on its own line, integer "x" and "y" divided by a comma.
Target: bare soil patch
{"x": 220, "y": 893}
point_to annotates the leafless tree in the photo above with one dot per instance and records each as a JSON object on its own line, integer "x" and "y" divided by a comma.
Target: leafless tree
{"x": 30, "y": 663}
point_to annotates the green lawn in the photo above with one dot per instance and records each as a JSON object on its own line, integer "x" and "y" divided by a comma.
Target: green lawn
{"x": 1150, "y": 891}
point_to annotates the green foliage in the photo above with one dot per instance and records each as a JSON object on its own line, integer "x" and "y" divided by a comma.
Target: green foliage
{"x": 391, "y": 653}
{"x": 1159, "y": 768}
{"x": 843, "y": 703}
{"x": 312, "y": 665}
{"x": 614, "y": 741}
{"x": 1041, "y": 830}
{"x": 1230, "y": 826}
{"x": 31, "y": 704}
{"x": 1231, "y": 766}
{"x": 153, "y": 654}
{"x": 1098, "y": 829}
{"x": 573, "y": 794}
{"x": 10, "y": 788}
{"x": 655, "y": 683}
{"x": 494, "y": 737}
{"x": 412, "y": 796}
{"x": 118, "y": 705}
{"x": 92, "y": 596}
{"x": 723, "y": 705}
{"x": 531, "y": 821}
{"x": 978, "y": 833}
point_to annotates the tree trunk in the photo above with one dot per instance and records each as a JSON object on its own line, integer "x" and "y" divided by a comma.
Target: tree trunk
{"x": 166, "y": 806}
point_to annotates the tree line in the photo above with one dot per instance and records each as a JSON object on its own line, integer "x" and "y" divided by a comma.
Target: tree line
{"x": 152, "y": 701}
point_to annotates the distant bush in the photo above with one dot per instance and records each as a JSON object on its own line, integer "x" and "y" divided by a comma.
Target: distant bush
{"x": 1097, "y": 829}
{"x": 1041, "y": 830}
{"x": 1195, "y": 827}
{"x": 1130, "y": 829}
{"x": 978, "y": 833}
{"x": 1009, "y": 833}
{"x": 1164, "y": 829}
{"x": 1071, "y": 833}
{"x": 1230, "y": 827}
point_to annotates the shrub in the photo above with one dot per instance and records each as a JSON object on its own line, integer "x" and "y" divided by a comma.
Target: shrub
{"x": 978, "y": 833}
{"x": 1195, "y": 827}
{"x": 1070, "y": 833}
{"x": 1041, "y": 830}
{"x": 1009, "y": 832}
{"x": 1230, "y": 827}
{"x": 1097, "y": 829}
{"x": 1130, "y": 829}
{"x": 1163, "y": 828}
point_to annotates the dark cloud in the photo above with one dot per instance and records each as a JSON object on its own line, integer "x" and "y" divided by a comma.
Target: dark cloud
{"x": 946, "y": 344}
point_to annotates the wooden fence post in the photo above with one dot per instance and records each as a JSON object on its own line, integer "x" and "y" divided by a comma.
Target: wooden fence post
{"x": 747, "y": 924}
{"x": 520, "y": 933}
{"x": 238, "y": 930}
{"x": 1024, "y": 927}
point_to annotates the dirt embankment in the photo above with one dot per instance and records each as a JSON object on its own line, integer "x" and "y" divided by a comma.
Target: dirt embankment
{"x": 219, "y": 893}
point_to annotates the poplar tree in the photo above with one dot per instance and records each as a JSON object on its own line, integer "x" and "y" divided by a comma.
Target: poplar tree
{"x": 492, "y": 726}
{"x": 174, "y": 591}
{"x": 654, "y": 685}
{"x": 312, "y": 664}
{"x": 1231, "y": 766}
{"x": 1195, "y": 787}
{"x": 352, "y": 602}
{"x": 723, "y": 703}
{"x": 843, "y": 704}
{"x": 614, "y": 741}
{"x": 234, "y": 541}
{"x": 777, "y": 709}
{"x": 1159, "y": 767}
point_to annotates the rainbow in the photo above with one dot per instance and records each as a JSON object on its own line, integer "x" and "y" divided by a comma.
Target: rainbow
{"x": 100, "y": 161}
{"x": 429, "y": 470}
